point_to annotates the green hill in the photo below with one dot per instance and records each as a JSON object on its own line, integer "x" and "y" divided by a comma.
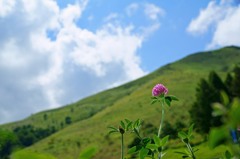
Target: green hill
{"x": 91, "y": 116}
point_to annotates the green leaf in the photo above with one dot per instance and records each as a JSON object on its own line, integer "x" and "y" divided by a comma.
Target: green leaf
{"x": 217, "y": 136}
{"x": 123, "y": 124}
{"x": 228, "y": 155}
{"x": 173, "y": 97}
{"x": 154, "y": 97}
{"x": 113, "y": 131}
{"x": 132, "y": 150}
{"x": 182, "y": 135}
{"x": 136, "y": 123}
{"x": 164, "y": 140}
{"x": 195, "y": 150}
{"x": 168, "y": 102}
{"x": 190, "y": 130}
{"x": 146, "y": 140}
{"x": 113, "y": 128}
{"x": 143, "y": 153}
{"x": 154, "y": 101}
{"x": 152, "y": 146}
{"x": 218, "y": 109}
{"x": 234, "y": 112}
{"x": 157, "y": 140}
{"x": 225, "y": 98}
{"x": 127, "y": 121}
{"x": 129, "y": 125}
{"x": 137, "y": 133}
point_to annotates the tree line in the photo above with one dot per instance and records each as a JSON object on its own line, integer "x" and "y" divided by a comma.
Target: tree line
{"x": 20, "y": 137}
{"x": 209, "y": 92}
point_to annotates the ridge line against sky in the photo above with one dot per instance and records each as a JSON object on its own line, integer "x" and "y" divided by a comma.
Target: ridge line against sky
{"x": 57, "y": 52}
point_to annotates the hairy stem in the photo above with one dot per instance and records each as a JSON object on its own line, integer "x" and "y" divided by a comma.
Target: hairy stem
{"x": 161, "y": 123}
{"x": 160, "y": 128}
{"x": 191, "y": 150}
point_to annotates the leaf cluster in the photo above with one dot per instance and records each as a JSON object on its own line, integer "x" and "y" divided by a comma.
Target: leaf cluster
{"x": 230, "y": 112}
{"x": 127, "y": 126}
{"x": 186, "y": 137}
{"x": 164, "y": 99}
{"x": 149, "y": 147}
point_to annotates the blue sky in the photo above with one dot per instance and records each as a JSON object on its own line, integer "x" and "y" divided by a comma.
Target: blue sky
{"x": 56, "y": 52}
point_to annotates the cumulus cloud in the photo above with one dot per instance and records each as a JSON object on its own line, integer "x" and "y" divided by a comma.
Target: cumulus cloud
{"x": 223, "y": 19}
{"x": 48, "y": 60}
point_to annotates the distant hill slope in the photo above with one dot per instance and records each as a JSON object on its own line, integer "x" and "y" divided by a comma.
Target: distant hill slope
{"x": 91, "y": 116}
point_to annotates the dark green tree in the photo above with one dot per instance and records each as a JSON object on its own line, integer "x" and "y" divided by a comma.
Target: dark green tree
{"x": 201, "y": 110}
{"x": 228, "y": 82}
{"x": 45, "y": 116}
{"x": 207, "y": 93}
{"x": 236, "y": 82}
{"x": 8, "y": 141}
{"x": 68, "y": 120}
{"x": 217, "y": 86}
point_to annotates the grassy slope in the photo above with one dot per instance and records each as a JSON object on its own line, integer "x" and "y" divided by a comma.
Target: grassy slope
{"x": 92, "y": 115}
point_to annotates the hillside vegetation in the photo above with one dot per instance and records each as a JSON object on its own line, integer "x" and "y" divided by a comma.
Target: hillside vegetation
{"x": 90, "y": 117}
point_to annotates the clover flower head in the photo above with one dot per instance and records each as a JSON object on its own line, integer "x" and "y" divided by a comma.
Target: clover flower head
{"x": 159, "y": 89}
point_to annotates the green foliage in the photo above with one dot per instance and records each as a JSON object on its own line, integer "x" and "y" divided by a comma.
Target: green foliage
{"x": 231, "y": 118}
{"x": 28, "y": 135}
{"x": 186, "y": 138}
{"x": 68, "y": 120}
{"x": 236, "y": 82}
{"x": 126, "y": 126}
{"x": 45, "y": 116}
{"x": 8, "y": 142}
{"x": 208, "y": 92}
{"x": 201, "y": 109}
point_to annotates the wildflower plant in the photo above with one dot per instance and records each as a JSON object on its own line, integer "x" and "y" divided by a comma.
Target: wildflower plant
{"x": 186, "y": 137}
{"x": 126, "y": 126}
{"x": 148, "y": 147}
{"x": 159, "y": 93}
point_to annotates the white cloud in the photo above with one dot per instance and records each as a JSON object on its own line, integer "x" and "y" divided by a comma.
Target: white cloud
{"x": 132, "y": 8}
{"x": 6, "y": 7}
{"x": 228, "y": 30}
{"x": 208, "y": 16}
{"x": 40, "y": 72}
{"x": 153, "y": 12}
{"x": 223, "y": 19}
{"x": 111, "y": 17}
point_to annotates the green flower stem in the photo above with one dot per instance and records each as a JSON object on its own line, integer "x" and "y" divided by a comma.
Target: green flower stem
{"x": 122, "y": 148}
{"x": 191, "y": 150}
{"x": 161, "y": 123}
{"x": 160, "y": 128}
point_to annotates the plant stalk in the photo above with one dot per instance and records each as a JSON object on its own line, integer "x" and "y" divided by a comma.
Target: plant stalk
{"x": 191, "y": 150}
{"x": 160, "y": 128}
{"x": 161, "y": 123}
{"x": 122, "y": 148}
